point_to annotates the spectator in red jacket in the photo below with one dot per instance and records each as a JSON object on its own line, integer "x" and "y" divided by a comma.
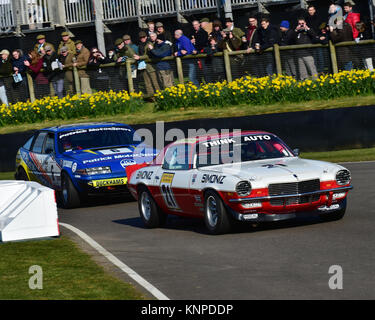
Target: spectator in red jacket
{"x": 35, "y": 65}
{"x": 351, "y": 17}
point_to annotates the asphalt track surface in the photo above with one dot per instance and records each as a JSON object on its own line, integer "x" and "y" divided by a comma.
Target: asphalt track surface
{"x": 288, "y": 260}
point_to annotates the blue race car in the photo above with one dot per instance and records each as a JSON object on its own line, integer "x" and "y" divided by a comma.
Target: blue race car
{"x": 82, "y": 160}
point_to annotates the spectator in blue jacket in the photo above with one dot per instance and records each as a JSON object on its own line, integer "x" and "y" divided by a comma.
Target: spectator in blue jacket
{"x": 160, "y": 49}
{"x": 185, "y": 47}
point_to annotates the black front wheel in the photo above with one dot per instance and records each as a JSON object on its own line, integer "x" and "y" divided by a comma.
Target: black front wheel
{"x": 69, "y": 195}
{"x": 151, "y": 215}
{"x": 216, "y": 216}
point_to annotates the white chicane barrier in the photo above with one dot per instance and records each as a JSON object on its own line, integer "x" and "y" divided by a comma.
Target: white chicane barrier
{"x": 27, "y": 211}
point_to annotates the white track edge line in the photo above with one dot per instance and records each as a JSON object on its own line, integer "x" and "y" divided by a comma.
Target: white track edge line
{"x": 130, "y": 272}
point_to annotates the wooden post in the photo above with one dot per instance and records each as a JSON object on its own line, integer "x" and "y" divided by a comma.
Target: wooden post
{"x": 77, "y": 82}
{"x": 180, "y": 71}
{"x": 30, "y": 83}
{"x": 129, "y": 75}
{"x": 228, "y": 69}
{"x": 276, "y": 50}
{"x": 332, "y": 51}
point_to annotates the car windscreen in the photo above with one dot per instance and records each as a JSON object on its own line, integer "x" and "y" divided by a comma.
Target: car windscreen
{"x": 96, "y": 138}
{"x": 241, "y": 149}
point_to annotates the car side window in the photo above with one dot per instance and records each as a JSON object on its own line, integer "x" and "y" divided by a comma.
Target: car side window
{"x": 177, "y": 157}
{"x": 27, "y": 145}
{"x": 49, "y": 144}
{"x": 38, "y": 143}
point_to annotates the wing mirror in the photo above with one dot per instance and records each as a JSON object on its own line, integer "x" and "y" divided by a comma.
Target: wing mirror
{"x": 297, "y": 152}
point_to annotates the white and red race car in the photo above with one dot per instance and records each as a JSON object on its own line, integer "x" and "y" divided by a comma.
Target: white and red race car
{"x": 250, "y": 176}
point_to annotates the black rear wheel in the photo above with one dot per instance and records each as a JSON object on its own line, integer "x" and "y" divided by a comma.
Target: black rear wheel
{"x": 21, "y": 174}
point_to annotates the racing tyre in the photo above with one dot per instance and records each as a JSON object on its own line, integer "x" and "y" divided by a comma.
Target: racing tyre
{"x": 216, "y": 217}
{"x": 69, "y": 195}
{"x": 336, "y": 215}
{"x": 151, "y": 215}
{"x": 22, "y": 175}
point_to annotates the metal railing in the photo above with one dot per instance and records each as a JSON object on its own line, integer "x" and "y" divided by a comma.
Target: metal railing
{"x": 189, "y": 5}
{"x": 34, "y": 12}
{"x": 78, "y": 11}
{"x": 119, "y": 9}
{"x": 7, "y": 22}
{"x": 156, "y": 7}
{"x": 37, "y": 12}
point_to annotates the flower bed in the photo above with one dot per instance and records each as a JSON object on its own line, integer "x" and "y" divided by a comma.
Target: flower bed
{"x": 70, "y": 107}
{"x": 267, "y": 90}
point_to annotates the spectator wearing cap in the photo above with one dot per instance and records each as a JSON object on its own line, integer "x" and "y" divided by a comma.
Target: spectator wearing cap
{"x": 53, "y": 70}
{"x": 163, "y": 34}
{"x": 19, "y": 69}
{"x": 35, "y": 65}
{"x": 5, "y": 75}
{"x": 67, "y": 42}
{"x": 130, "y": 47}
{"x": 82, "y": 59}
{"x": 185, "y": 47}
{"x": 237, "y": 32}
{"x": 41, "y": 43}
{"x": 287, "y": 39}
{"x": 303, "y": 35}
{"x": 351, "y": 17}
{"x": 206, "y": 25}
{"x": 148, "y": 74}
{"x": 67, "y": 59}
{"x": 161, "y": 50}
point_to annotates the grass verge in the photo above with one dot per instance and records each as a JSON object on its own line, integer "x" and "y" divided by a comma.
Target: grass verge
{"x": 68, "y": 273}
{"x": 148, "y": 115}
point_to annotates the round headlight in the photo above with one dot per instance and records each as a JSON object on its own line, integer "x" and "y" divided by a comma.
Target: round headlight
{"x": 343, "y": 177}
{"x": 243, "y": 188}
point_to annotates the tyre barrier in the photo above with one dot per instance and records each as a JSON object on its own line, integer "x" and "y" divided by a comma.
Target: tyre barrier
{"x": 27, "y": 211}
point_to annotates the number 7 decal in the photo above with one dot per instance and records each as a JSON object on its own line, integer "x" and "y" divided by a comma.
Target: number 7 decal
{"x": 166, "y": 190}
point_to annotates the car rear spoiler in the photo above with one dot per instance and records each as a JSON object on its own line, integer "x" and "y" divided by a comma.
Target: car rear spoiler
{"x": 131, "y": 169}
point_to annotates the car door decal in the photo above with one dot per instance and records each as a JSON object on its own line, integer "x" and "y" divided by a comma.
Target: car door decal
{"x": 166, "y": 190}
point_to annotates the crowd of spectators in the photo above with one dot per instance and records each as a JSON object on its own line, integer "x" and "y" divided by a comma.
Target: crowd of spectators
{"x": 52, "y": 69}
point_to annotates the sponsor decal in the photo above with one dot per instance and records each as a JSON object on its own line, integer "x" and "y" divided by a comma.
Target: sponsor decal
{"x": 167, "y": 178}
{"x": 221, "y": 142}
{"x": 125, "y": 163}
{"x": 194, "y": 178}
{"x": 108, "y": 182}
{"x": 80, "y": 131}
{"x": 257, "y": 138}
{"x": 109, "y": 152}
{"x": 67, "y": 164}
{"x": 213, "y": 178}
{"x": 167, "y": 192}
{"x": 147, "y": 175}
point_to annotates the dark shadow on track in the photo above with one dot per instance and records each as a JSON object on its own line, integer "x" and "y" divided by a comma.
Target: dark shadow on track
{"x": 197, "y": 225}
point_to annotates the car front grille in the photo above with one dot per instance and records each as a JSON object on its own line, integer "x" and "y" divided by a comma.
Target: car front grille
{"x": 293, "y": 188}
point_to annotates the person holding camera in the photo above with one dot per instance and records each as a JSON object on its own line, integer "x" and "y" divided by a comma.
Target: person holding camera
{"x": 303, "y": 35}
{"x": 98, "y": 76}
